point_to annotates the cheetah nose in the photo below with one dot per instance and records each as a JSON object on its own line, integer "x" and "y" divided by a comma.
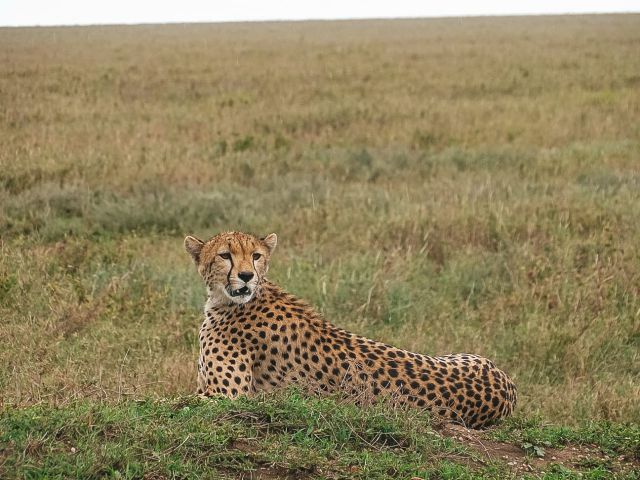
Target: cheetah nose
{"x": 245, "y": 276}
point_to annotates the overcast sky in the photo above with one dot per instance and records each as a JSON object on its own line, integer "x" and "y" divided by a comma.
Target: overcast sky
{"x": 83, "y": 12}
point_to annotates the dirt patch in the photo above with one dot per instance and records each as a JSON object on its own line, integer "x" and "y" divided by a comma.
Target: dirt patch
{"x": 263, "y": 470}
{"x": 576, "y": 457}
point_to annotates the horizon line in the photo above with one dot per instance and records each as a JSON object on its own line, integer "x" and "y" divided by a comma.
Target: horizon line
{"x": 327, "y": 19}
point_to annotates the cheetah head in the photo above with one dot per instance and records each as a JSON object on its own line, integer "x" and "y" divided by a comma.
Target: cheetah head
{"x": 232, "y": 264}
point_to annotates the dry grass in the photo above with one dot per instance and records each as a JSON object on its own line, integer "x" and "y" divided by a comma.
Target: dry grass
{"x": 444, "y": 185}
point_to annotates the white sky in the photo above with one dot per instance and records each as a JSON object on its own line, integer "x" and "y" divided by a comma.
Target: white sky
{"x": 82, "y": 12}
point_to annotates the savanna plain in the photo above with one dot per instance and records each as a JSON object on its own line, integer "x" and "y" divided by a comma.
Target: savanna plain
{"x": 451, "y": 185}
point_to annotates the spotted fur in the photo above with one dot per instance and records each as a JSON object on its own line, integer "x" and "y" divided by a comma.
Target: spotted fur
{"x": 257, "y": 337}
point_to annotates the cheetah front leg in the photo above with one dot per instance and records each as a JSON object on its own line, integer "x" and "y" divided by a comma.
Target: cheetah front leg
{"x": 202, "y": 391}
{"x": 228, "y": 378}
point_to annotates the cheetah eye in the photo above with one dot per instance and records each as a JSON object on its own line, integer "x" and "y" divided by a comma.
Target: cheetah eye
{"x": 225, "y": 255}
{"x": 256, "y": 256}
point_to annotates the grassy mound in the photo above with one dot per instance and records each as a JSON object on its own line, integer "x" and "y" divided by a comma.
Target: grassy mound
{"x": 289, "y": 435}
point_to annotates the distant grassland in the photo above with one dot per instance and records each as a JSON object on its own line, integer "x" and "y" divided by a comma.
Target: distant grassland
{"x": 443, "y": 185}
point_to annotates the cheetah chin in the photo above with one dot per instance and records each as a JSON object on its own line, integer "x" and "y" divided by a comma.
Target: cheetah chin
{"x": 257, "y": 337}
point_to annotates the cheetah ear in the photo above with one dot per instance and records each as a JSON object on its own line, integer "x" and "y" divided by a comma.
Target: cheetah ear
{"x": 271, "y": 241}
{"x": 194, "y": 246}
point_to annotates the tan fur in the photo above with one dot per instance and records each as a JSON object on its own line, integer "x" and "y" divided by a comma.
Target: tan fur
{"x": 265, "y": 338}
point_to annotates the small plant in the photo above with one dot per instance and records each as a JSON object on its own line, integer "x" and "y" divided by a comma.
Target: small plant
{"x": 244, "y": 143}
{"x": 535, "y": 450}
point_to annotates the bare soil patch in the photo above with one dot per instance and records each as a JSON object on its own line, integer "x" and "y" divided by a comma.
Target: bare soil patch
{"x": 577, "y": 457}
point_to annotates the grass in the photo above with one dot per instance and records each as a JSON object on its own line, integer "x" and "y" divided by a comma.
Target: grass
{"x": 443, "y": 185}
{"x": 188, "y": 437}
{"x": 280, "y": 436}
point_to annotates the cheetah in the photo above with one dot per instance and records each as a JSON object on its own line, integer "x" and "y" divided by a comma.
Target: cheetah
{"x": 257, "y": 337}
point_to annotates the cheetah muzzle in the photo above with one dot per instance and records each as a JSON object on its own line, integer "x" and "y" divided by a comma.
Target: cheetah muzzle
{"x": 257, "y": 337}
